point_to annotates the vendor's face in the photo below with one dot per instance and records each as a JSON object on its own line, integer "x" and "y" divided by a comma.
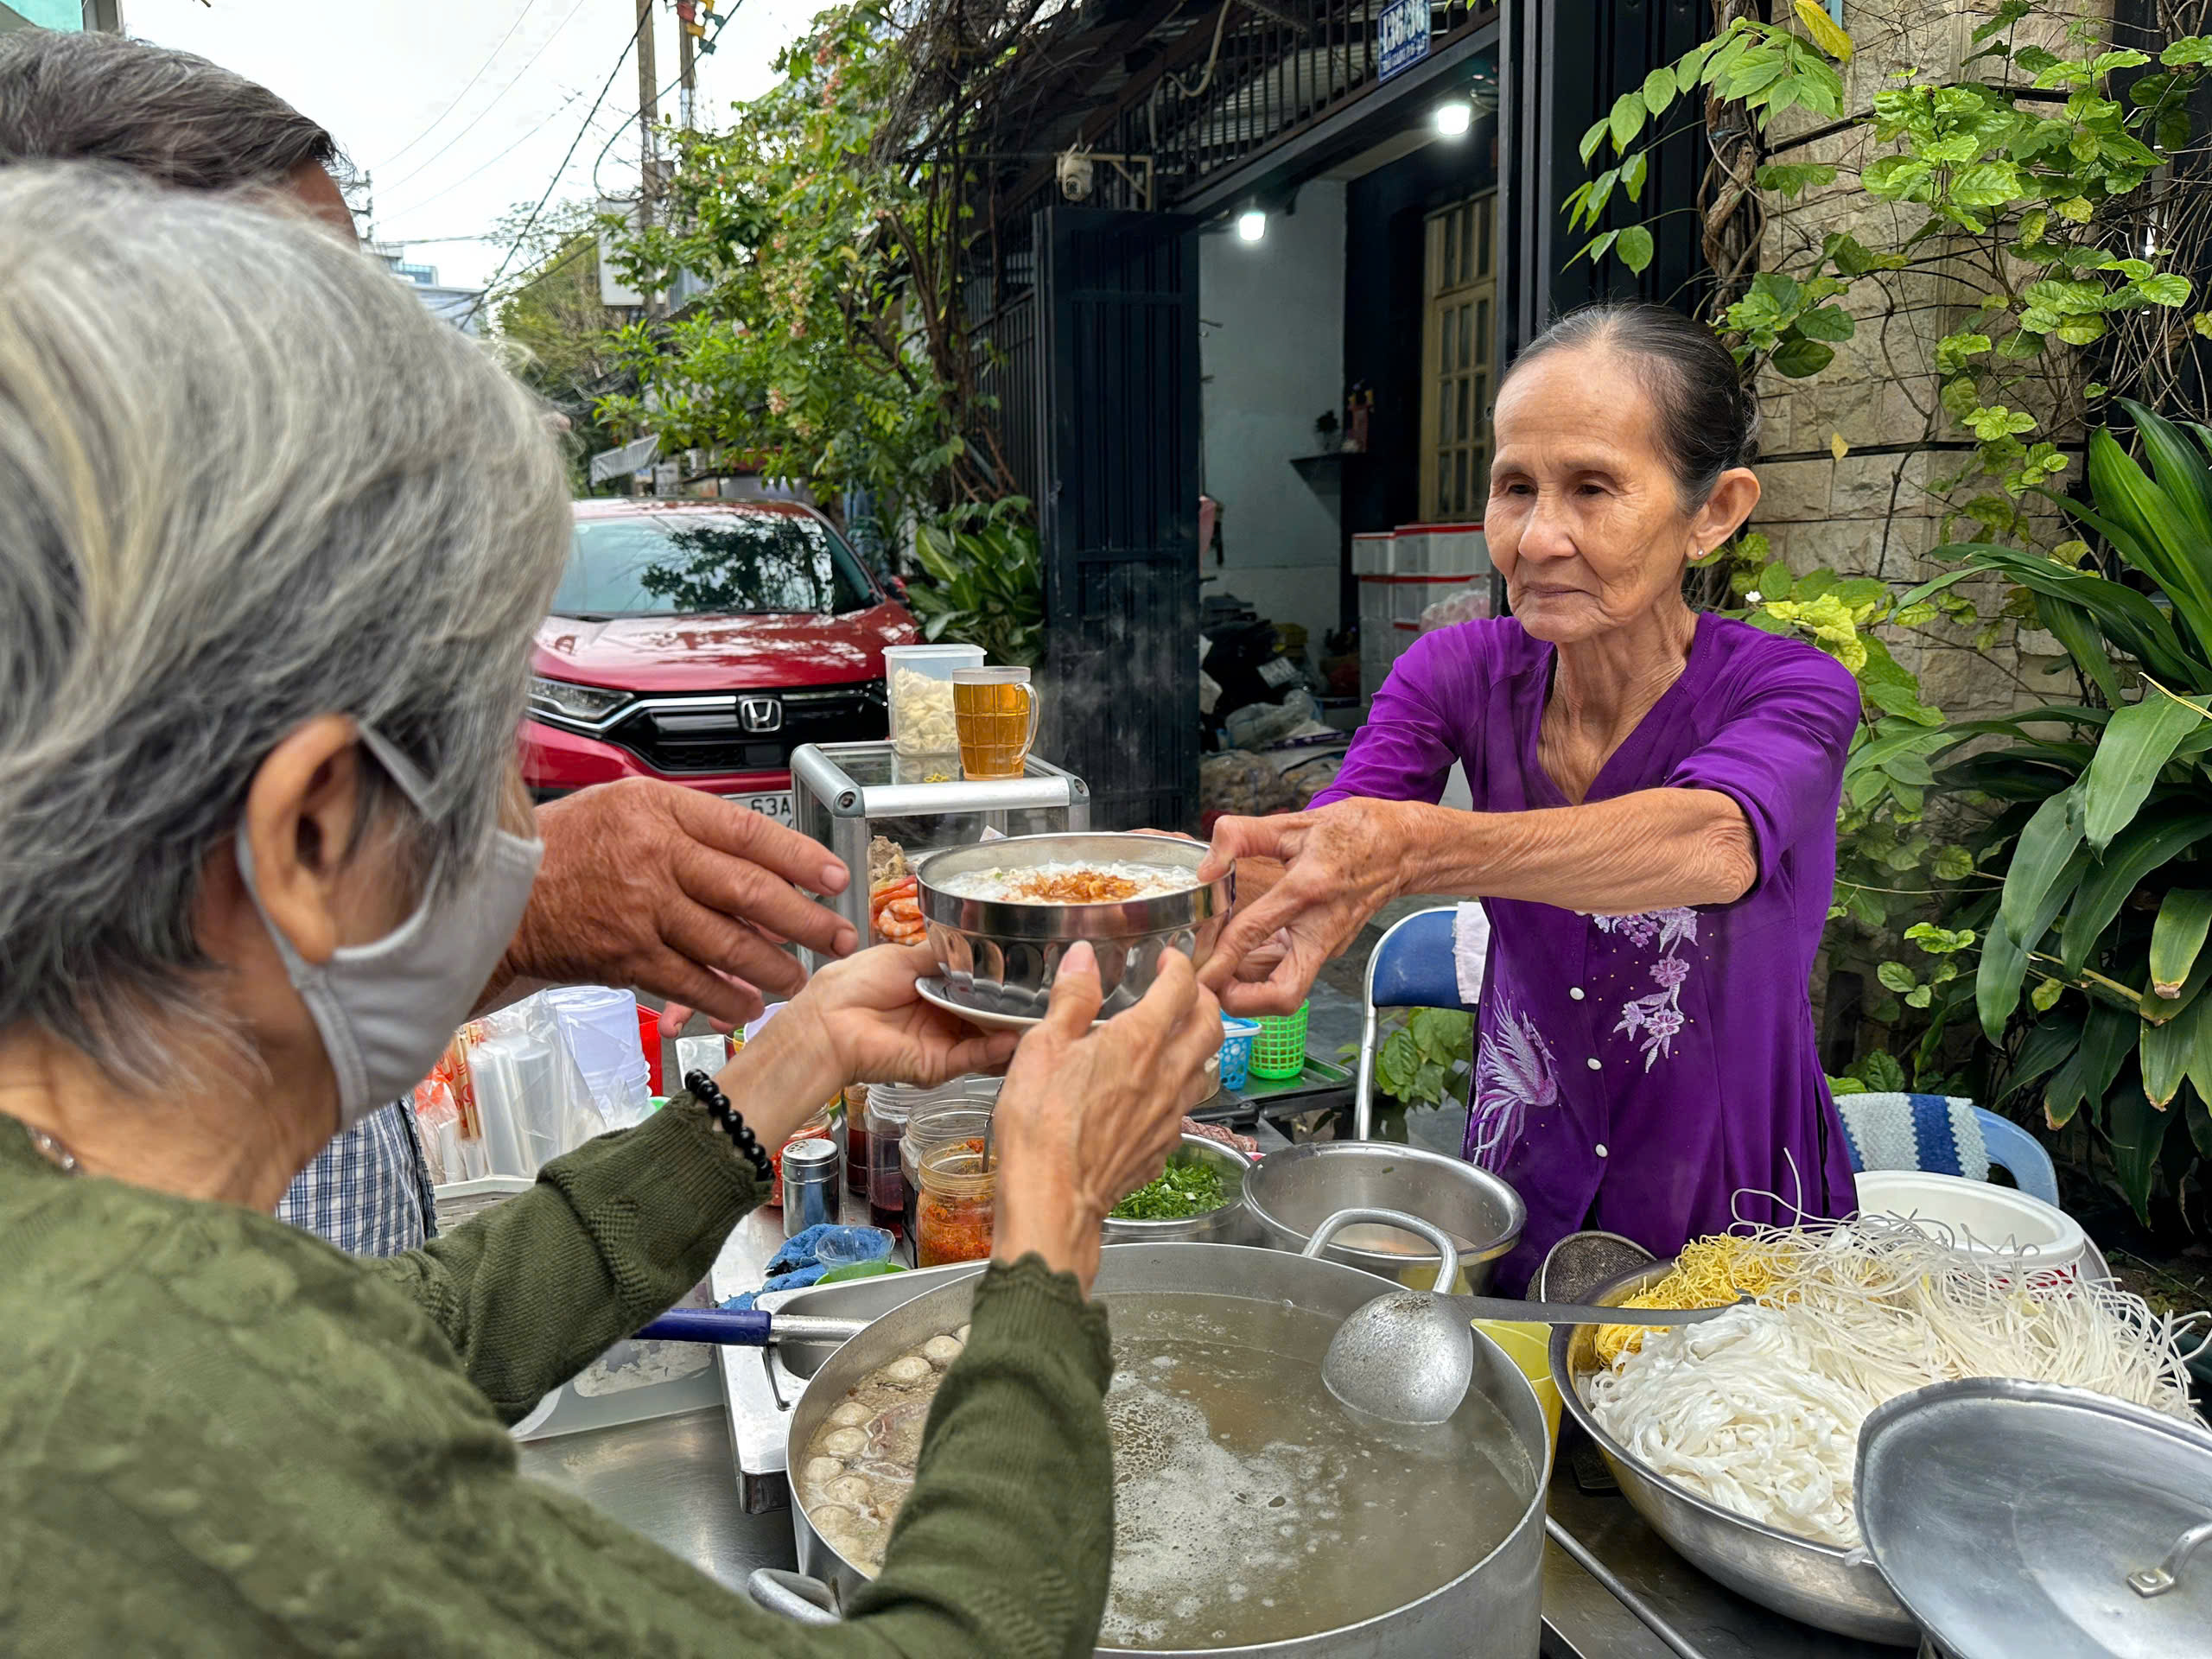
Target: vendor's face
{"x": 1585, "y": 520}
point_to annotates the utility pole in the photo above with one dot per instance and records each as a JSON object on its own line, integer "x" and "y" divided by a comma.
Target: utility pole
{"x": 687, "y": 71}
{"x": 648, "y": 118}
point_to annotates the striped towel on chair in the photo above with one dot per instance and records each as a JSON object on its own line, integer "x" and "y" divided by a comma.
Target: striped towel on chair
{"x": 1935, "y": 1133}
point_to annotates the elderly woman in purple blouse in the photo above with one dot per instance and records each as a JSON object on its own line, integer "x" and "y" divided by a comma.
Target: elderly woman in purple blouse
{"x": 1654, "y": 831}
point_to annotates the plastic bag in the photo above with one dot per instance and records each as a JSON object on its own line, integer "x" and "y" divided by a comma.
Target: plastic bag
{"x": 1468, "y": 605}
{"x": 1247, "y": 784}
{"x": 1258, "y": 724}
{"x": 530, "y": 1099}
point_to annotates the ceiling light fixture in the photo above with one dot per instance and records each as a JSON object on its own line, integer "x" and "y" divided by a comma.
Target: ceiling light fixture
{"x": 1251, "y": 225}
{"x": 1455, "y": 118}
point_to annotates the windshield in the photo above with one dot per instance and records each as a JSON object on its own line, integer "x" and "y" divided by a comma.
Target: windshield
{"x": 694, "y": 563}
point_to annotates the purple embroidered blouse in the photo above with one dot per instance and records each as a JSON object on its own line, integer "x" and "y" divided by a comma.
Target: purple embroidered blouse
{"x": 1638, "y": 1074}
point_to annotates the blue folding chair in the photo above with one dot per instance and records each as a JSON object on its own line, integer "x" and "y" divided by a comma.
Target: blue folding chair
{"x": 1926, "y": 1132}
{"x": 1411, "y": 968}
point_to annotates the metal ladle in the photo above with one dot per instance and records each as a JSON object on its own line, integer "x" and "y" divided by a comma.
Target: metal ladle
{"x": 1408, "y": 1357}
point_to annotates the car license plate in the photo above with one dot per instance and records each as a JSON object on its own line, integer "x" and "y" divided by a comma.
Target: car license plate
{"x": 777, "y": 806}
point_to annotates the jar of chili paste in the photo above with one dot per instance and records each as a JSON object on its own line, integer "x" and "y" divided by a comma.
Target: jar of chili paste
{"x": 952, "y": 1220}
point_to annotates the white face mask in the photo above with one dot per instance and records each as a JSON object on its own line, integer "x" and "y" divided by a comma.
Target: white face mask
{"x": 387, "y": 1010}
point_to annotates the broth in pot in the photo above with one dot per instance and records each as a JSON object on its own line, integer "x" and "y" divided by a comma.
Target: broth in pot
{"x": 1250, "y": 1506}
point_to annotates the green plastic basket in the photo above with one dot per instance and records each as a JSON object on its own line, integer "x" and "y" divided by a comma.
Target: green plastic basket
{"x": 1279, "y": 1052}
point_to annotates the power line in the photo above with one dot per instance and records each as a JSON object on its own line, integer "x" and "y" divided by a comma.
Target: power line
{"x": 463, "y": 93}
{"x": 431, "y": 160}
{"x": 644, "y": 20}
{"x": 528, "y": 134}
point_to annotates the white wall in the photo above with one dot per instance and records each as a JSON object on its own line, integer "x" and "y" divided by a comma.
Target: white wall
{"x": 1271, "y": 347}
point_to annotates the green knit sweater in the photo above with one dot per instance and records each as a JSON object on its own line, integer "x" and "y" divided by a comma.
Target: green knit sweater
{"x": 220, "y": 1436}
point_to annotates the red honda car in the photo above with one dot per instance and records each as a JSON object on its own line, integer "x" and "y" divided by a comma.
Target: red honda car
{"x": 702, "y": 642}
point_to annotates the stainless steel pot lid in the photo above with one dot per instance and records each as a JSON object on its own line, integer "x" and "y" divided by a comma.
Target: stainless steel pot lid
{"x": 2017, "y": 1518}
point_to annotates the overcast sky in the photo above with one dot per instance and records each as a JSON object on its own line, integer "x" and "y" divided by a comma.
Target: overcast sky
{"x": 459, "y": 109}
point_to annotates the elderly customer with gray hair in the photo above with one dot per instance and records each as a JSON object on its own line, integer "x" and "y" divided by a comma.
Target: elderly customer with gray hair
{"x": 273, "y": 542}
{"x": 644, "y": 883}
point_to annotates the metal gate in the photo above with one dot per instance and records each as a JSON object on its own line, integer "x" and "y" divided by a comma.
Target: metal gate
{"x": 1562, "y": 63}
{"x": 1117, "y": 304}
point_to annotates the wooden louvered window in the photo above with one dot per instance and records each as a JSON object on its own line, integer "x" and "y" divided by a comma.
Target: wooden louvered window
{"x": 1459, "y": 375}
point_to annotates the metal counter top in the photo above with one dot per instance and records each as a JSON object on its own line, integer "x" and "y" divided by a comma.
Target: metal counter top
{"x": 670, "y": 1480}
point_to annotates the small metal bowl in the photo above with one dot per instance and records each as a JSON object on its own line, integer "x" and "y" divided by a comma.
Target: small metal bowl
{"x": 1227, "y": 1225}
{"x": 998, "y": 956}
{"x": 1291, "y": 1192}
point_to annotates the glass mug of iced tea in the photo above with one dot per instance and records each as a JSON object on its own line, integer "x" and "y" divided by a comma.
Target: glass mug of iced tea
{"x": 995, "y": 715}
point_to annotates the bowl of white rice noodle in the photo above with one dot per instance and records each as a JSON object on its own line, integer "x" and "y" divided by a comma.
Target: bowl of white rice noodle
{"x": 1001, "y": 914}
{"x": 1736, "y": 1440}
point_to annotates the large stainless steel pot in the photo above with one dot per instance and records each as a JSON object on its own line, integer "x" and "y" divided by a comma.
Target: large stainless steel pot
{"x": 1291, "y": 1192}
{"x": 998, "y": 956}
{"x": 1816, "y": 1584}
{"x": 1229, "y": 1224}
{"x": 1492, "y": 1611}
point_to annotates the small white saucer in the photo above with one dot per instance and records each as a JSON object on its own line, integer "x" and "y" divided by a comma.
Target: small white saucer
{"x": 934, "y": 991}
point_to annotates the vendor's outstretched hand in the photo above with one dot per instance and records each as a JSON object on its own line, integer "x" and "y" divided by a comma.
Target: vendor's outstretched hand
{"x": 1089, "y": 1115}
{"x": 668, "y": 890}
{"x": 1340, "y": 865}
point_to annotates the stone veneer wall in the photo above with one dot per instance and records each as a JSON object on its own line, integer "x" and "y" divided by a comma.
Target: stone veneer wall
{"x": 1872, "y": 512}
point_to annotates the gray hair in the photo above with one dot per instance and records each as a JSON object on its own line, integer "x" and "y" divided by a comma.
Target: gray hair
{"x": 177, "y": 119}
{"x": 245, "y": 478}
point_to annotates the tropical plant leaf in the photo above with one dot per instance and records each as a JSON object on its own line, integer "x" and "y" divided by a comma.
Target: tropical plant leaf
{"x": 2047, "y": 847}
{"x": 2137, "y": 1130}
{"x": 2004, "y": 963}
{"x": 2107, "y": 1035}
{"x": 2145, "y": 845}
{"x": 2134, "y": 624}
{"x": 2184, "y": 917}
{"x": 2157, "y": 1009}
{"x": 2180, "y": 1048}
{"x": 2167, "y": 546}
{"x": 1634, "y": 249}
{"x": 2053, "y": 714}
{"x": 2048, "y": 1043}
{"x": 2137, "y": 744}
{"x": 2073, "y": 627}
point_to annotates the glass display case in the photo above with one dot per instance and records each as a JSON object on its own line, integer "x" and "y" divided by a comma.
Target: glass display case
{"x": 844, "y": 795}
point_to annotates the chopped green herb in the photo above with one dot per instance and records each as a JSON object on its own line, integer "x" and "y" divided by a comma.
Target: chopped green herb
{"x": 1182, "y": 1191}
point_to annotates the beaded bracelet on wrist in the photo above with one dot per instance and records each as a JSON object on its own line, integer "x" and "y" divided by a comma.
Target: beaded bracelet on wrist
{"x": 703, "y": 1089}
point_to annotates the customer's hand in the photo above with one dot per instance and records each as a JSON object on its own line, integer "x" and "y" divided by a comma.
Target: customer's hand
{"x": 864, "y": 1012}
{"x": 650, "y": 884}
{"x": 858, "y": 1020}
{"x": 1087, "y": 1115}
{"x": 1340, "y": 865}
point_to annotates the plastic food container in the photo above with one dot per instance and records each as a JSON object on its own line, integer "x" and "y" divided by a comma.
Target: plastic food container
{"x": 917, "y": 684}
{"x": 1992, "y": 1224}
{"x": 953, "y": 1218}
{"x": 1237, "y": 1037}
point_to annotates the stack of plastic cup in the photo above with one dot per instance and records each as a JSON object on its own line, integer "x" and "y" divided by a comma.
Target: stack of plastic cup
{"x": 600, "y": 1026}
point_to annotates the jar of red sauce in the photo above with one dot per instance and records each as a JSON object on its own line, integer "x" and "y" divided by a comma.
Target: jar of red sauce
{"x": 952, "y": 1219}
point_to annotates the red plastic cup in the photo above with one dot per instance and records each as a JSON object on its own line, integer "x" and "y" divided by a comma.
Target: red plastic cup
{"x": 649, "y": 1040}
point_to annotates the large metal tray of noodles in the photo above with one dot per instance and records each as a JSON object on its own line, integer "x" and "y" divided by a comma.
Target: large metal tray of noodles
{"x": 999, "y": 954}
{"x": 1816, "y": 1584}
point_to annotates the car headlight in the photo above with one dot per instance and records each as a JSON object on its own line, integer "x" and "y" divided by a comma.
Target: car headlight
{"x": 564, "y": 699}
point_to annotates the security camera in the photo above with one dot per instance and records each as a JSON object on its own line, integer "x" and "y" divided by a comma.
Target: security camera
{"x": 1075, "y": 175}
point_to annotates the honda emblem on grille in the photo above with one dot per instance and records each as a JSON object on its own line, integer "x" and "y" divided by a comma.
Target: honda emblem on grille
{"x": 759, "y": 714}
